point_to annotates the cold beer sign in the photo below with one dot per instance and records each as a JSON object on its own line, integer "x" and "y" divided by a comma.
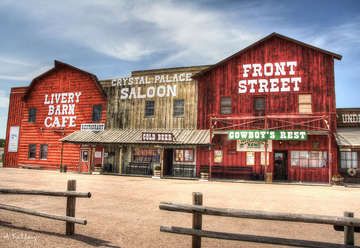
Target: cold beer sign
{"x": 269, "y": 77}
{"x": 267, "y": 135}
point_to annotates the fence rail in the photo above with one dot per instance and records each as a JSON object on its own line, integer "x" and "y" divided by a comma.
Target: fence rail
{"x": 348, "y": 224}
{"x": 70, "y": 195}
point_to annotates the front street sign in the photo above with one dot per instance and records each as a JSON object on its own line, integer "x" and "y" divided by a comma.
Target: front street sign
{"x": 267, "y": 135}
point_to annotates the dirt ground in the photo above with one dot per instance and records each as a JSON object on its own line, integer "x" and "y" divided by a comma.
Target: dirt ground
{"x": 124, "y": 212}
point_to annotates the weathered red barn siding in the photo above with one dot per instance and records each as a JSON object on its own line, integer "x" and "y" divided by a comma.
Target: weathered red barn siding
{"x": 61, "y": 79}
{"x": 316, "y": 70}
{"x": 14, "y": 119}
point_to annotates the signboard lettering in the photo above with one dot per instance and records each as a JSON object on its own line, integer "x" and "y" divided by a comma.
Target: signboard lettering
{"x": 150, "y": 86}
{"x": 146, "y": 136}
{"x": 61, "y": 109}
{"x": 263, "y": 80}
{"x": 95, "y": 127}
{"x": 267, "y": 135}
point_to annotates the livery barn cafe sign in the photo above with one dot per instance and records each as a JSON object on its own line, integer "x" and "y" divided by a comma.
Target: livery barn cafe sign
{"x": 156, "y": 86}
{"x": 269, "y": 77}
{"x": 267, "y": 135}
{"x": 61, "y": 109}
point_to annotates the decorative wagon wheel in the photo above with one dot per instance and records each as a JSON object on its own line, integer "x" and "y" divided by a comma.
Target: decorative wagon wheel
{"x": 351, "y": 172}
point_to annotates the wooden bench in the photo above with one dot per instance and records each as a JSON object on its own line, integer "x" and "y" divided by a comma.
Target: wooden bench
{"x": 233, "y": 172}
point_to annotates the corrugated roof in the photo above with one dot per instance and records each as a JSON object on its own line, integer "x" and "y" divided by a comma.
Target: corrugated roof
{"x": 348, "y": 136}
{"x": 133, "y": 136}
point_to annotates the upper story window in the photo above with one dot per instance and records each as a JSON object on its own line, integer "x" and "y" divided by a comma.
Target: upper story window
{"x": 32, "y": 114}
{"x": 305, "y": 105}
{"x": 179, "y": 107}
{"x": 259, "y": 106}
{"x": 43, "y": 151}
{"x": 225, "y": 105}
{"x": 32, "y": 151}
{"x": 96, "y": 114}
{"x": 149, "y": 108}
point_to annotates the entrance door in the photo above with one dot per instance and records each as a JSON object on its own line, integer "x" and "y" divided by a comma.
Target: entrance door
{"x": 280, "y": 166}
{"x": 168, "y": 162}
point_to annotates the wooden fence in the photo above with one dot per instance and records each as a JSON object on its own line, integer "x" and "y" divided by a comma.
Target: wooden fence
{"x": 70, "y": 194}
{"x": 347, "y": 224}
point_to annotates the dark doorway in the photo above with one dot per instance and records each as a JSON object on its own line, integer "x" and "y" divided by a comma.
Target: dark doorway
{"x": 168, "y": 162}
{"x": 280, "y": 165}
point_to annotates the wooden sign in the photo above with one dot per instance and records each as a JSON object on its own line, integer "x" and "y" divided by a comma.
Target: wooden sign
{"x": 267, "y": 135}
{"x": 163, "y": 137}
{"x": 348, "y": 117}
{"x": 95, "y": 127}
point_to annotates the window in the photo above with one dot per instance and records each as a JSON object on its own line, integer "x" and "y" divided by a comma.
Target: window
{"x": 43, "y": 151}
{"x": 96, "y": 114}
{"x": 348, "y": 160}
{"x": 85, "y": 156}
{"x": 32, "y": 114}
{"x": 225, "y": 105}
{"x": 259, "y": 106}
{"x": 309, "y": 159}
{"x": 179, "y": 107}
{"x": 32, "y": 151}
{"x": 149, "y": 108}
{"x": 184, "y": 155}
{"x": 305, "y": 106}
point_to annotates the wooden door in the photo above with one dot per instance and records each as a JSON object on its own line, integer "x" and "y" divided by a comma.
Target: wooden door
{"x": 280, "y": 165}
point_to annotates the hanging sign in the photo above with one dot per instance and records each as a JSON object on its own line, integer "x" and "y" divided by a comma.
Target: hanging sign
{"x": 13, "y": 139}
{"x": 267, "y": 135}
{"x": 253, "y": 146}
{"x": 166, "y": 137}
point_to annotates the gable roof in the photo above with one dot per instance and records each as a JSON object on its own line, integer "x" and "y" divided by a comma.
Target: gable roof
{"x": 274, "y": 34}
{"x": 58, "y": 64}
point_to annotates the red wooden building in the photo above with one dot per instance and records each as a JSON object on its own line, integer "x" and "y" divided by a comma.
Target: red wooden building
{"x": 55, "y": 104}
{"x": 275, "y": 97}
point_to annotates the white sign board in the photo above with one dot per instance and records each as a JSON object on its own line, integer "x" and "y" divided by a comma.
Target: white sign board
{"x": 14, "y": 139}
{"x": 253, "y": 146}
{"x": 97, "y": 154}
{"x": 95, "y": 127}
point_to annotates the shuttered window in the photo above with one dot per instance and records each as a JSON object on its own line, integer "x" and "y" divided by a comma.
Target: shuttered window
{"x": 149, "y": 108}
{"x": 96, "y": 114}
{"x": 225, "y": 105}
{"x": 259, "y": 106}
{"x": 179, "y": 107}
{"x": 32, "y": 114}
{"x": 32, "y": 151}
{"x": 43, "y": 151}
{"x": 305, "y": 105}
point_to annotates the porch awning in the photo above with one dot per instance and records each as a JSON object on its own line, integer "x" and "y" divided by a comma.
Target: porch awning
{"x": 134, "y": 136}
{"x": 349, "y": 137}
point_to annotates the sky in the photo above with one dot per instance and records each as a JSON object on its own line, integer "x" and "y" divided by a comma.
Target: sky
{"x": 110, "y": 38}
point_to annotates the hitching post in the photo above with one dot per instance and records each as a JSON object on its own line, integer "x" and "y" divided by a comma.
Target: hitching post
{"x": 197, "y": 219}
{"x": 348, "y": 231}
{"x": 70, "y": 207}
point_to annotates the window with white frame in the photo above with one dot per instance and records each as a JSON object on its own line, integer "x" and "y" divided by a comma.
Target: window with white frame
{"x": 305, "y": 105}
{"x": 348, "y": 160}
{"x": 309, "y": 159}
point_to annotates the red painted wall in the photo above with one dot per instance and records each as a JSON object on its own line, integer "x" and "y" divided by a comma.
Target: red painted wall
{"x": 14, "y": 119}
{"x": 61, "y": 79}
{"x": 316, "y": 70}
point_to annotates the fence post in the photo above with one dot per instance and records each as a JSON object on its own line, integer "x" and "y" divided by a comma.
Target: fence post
{"x": 70, "y": 207}
{"x": 348, "y": 231}
{"x": 197, "y": 219}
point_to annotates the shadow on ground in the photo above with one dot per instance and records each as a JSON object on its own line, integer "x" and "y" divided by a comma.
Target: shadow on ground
{"x": 83, "y": 238}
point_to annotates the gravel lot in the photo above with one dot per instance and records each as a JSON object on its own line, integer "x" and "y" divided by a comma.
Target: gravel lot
{"x": 123, "y": 211}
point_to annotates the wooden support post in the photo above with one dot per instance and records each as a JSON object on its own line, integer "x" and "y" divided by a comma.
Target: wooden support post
{"x": 348, "y": 231}
{"x": 197, "y": 219}
{"x": 61, "y": 157}
{"x": 70, "y": 207}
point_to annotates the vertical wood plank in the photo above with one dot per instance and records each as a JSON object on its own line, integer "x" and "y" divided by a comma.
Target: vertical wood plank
{"x": 348, "y": 231}
{"x": 197, "y": 219}
{"x": 70, "y": 207}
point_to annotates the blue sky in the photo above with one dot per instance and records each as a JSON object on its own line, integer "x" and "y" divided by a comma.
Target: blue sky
{"x": 111, "y": 37}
